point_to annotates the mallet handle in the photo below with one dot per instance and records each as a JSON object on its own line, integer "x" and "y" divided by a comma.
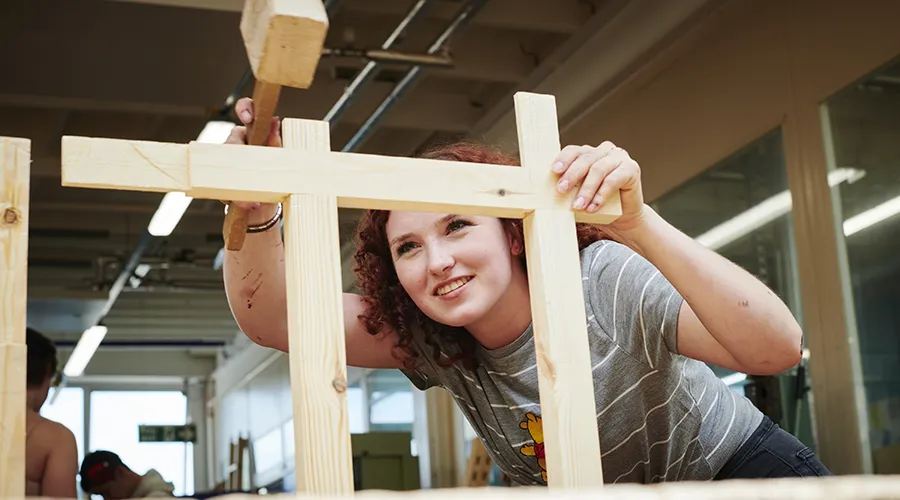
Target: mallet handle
{"x": 265, "y": 100}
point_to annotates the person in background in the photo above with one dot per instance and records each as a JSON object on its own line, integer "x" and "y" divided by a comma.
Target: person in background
{"x": 103, "y": 473}
{"x": 51, "y": 455}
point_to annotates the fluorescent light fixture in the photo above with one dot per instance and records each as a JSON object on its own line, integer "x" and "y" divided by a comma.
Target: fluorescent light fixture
{"x": 84, "y": 350}
{"x": 215, "y": 132}
{"x": 734, "y": 378}
{"x": 173, "y": 205}
{"x": 169, "y": 213}
{"x": 872, "y": 216}
{"x": 765, "y": 212}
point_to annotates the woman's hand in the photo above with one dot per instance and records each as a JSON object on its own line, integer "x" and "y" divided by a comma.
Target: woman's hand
{"x": 598, "y": 173}
{"x": 259, "y": 212}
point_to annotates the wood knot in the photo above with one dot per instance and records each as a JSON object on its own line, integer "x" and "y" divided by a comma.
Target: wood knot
{"x": 339, "y": 385}
{"x": 10, "y": 216}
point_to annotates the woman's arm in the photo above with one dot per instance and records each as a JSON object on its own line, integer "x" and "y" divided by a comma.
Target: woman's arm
{"x": 255, "y": 282}
{"x": 728, "y": 317}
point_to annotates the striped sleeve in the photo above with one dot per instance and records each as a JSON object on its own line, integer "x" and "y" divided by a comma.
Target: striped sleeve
{"x": 425, "y": 375}
{"x": 633, "y": 303}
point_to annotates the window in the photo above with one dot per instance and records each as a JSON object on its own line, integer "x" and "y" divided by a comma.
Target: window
{"x": 115, "y": 417}
{"x": 862, "y": 127}
{"x": 390, "y": 401}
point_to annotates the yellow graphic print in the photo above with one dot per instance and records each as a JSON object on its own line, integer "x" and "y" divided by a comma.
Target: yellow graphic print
{"x": 532, "y": 423}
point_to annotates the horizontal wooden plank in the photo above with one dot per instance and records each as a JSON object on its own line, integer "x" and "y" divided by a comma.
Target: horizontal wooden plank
{"x": 139, "y": 165}
{"x": 250, "y": 173}
{"x": 833, "y": 488}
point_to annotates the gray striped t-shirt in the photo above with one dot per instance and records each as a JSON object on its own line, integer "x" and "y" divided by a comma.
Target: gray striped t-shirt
{"x": 661, "y": 416}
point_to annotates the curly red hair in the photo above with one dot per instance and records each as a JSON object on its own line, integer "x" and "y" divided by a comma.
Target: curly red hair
{"x": 389, "y": 306}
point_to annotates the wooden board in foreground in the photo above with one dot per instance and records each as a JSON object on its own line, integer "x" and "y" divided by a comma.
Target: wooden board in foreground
{"x": 831, "y": 488}
{"x": 15, "y": 165}
{"x": 318, "y": 362}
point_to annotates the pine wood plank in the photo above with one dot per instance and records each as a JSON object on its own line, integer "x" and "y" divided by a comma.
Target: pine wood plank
{"x": 571, "y": 439}
{"x": 255, "y": 173}
{"x": 318, "y": 361}
{"x": 15, "y": 170}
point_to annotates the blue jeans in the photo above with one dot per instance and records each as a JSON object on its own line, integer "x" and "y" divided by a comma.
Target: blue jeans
{"x": 772, "y": 452}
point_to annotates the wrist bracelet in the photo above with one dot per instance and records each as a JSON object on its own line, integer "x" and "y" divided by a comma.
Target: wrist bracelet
{"x": 259, "y": 228}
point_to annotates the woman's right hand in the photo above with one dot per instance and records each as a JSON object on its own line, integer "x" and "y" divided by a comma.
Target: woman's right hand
{"x": 259, "y": 212}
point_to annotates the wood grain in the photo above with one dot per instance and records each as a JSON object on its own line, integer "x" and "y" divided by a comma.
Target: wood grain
{"x": 878, "y": 487}
{"x": 571, "y": 438}
{"x": 252, "y": 173}
{"x": 318, "y": 360}
{"x": 284, "y": 39}
{"x": 15, "y": 163}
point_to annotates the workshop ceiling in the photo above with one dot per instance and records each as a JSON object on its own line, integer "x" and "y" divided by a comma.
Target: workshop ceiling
{"x": 159, "y": 70}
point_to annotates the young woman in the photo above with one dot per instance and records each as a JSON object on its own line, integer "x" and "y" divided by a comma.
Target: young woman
{"x": 51, "y": 455}
{"x": 445, "y": 299}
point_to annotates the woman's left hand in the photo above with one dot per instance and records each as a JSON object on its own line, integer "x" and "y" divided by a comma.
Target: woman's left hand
{"x": 598, "y": 173}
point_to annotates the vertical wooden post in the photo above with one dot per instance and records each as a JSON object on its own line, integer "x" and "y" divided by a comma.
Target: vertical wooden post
{"x": 318, "y": 360}
{"x": 15, "y": 166}
{"x": 571, "y": 439}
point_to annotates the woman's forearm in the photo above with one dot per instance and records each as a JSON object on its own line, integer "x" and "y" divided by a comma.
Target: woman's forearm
{"x": 255, "y": 286}
{"x": 738, "y": 310}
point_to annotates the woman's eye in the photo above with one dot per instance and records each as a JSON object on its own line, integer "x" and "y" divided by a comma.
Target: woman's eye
{"x": 457, "y": 224}
{"x": 402, "y": 249}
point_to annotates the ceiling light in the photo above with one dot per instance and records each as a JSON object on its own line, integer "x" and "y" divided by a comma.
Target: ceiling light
{"x": 215, "y": 132}
{"x": 84, "y": 350}
{"x": 167, "y": 216}
{"x": 765, "y": 212}
{"x": 173, "y": 205}
{"x": 872, "y": 216}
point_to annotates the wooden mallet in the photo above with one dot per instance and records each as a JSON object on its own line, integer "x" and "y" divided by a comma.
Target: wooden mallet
{"x": 284, "y": 41}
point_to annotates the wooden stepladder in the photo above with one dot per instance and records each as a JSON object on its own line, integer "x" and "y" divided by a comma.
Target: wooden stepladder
{"x": 313, "y": 182}
{"x": 15, "y": 165}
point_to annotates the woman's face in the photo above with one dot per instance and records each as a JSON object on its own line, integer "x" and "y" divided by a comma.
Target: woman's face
{"x": 456, "y": 268}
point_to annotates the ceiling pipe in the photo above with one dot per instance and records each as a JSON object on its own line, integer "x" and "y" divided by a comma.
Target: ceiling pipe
{"x": 412, "y": 75}
{"x": 389, "y": 56}
{"x": 371, "y": 68}
{"x": 363, "y": 78}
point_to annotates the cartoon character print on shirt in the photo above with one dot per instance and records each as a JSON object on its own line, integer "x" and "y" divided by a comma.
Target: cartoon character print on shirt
{"x": 532, "y": 424}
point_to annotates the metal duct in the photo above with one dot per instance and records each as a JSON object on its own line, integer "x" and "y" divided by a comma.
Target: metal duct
{"x": 371, "y": 68}
{"x": 412, "y": 75}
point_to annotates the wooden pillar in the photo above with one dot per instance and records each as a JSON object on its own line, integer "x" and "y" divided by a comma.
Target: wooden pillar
{"x": 568, "y": 412}
{"x": 318, "y": 360}
{"x": 15, "y": 164}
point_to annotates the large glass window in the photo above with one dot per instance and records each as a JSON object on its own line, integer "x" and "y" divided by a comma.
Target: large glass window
{"x": 115, "y": 417}
{"x": 391, "y": 401}
{"x": 862, "y": 134}
{"x": 741, "y": 208}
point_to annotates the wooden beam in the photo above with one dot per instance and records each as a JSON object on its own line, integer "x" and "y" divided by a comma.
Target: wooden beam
{"x": 284, "y": 40}
{"x": 235, "y": 172}
{"x": 14, "y": 190}
{"x": 318, "y": 361}
{"x": 565, "y": 379}
{"x": 877, "y": 487}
